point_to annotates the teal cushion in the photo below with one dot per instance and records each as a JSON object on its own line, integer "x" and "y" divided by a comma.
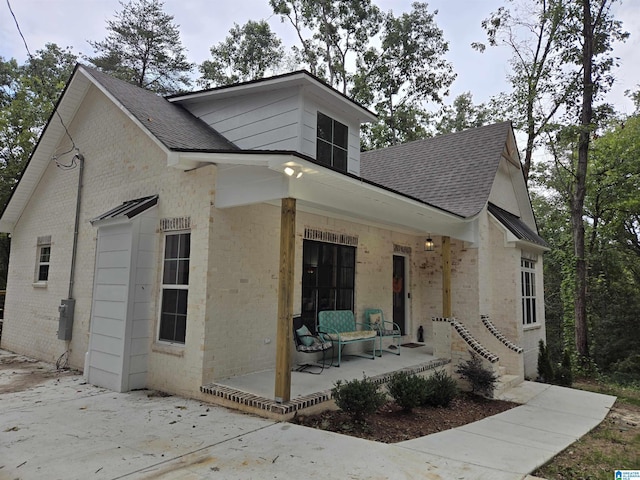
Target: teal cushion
{"x": 304, "y": 335}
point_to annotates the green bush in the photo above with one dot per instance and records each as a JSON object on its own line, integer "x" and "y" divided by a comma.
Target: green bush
{"x": 563, "y": 374}
{"x": 545, "y": 367}
{"x": 358, "y": 398}
{"x": 482, "y": 380}
{"x": 627, "y": 371}
{"x": 441, "y": 389}
{"x": 408, "y": 390}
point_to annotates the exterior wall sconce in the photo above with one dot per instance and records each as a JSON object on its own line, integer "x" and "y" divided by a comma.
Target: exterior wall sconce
{"x": 428, "y": 245}
{"x": 293, "y": 171}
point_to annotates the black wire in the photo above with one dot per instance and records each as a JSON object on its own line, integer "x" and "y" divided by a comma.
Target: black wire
{"x": 66, "y": 130}
{"x": 19, "y": 31}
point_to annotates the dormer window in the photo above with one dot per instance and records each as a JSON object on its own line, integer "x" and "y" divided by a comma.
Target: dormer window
{"x": 332, "y": 141}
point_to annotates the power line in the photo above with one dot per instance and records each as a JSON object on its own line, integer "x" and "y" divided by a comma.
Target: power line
{"x": 19, "y": 31}
{"x": 66, "y": 130}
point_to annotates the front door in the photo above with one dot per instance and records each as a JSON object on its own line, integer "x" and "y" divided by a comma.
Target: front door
{"x": 399, "y": 294}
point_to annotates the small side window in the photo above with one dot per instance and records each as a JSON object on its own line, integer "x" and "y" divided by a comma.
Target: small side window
{"x": 43, "y": 259}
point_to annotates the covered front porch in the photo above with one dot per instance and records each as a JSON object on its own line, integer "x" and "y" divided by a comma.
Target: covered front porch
{"x": 380, "y": 223}
{"x": 255, "y": 392}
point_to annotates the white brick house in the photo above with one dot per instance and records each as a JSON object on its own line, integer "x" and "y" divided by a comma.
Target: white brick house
{"x": 174, "y": 274}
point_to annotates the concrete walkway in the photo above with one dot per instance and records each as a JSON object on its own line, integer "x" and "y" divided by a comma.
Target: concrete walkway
{"x": 65, "y": 429}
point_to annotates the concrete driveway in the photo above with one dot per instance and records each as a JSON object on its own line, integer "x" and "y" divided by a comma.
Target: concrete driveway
{"x": 55, "y": 426}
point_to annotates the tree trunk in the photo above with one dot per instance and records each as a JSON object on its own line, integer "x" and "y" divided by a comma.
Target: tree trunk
{"x": 579, "y": 191}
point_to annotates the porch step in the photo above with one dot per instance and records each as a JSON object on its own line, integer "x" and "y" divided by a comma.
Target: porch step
{"x": 504, "y": 383}
{"x": 501, "y": 371}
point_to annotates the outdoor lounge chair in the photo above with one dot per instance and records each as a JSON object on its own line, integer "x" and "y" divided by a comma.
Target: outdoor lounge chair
{"x": 308, "y": 341}
{"x": 374, "y": 320}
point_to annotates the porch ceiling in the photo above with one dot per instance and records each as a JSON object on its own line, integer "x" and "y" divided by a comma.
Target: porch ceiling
{"x": 250, "y": 179}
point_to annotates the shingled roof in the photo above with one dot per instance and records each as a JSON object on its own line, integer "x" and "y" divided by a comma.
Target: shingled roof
{"x": 454, "y": 172}
{"x": 173, "y": 125}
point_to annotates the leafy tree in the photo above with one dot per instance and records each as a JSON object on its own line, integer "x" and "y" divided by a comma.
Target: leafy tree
{"x": 463, "y": 114}
{"x": 143, "y": 47}
{"x": 28, "y": 94}
{"x": 408, "y": 70}
{"x": 247, "y": 53}
{"x": 329, "y": 33}
{"x": 533, "y": 31}
{"x": 573, "y": 39}
{"x": 613, "y": 240}
{"x": 597, "y": 32}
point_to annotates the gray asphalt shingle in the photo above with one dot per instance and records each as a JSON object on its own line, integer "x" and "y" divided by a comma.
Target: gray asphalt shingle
{"x": 454, "y": 172}
{"x": 174, "y": 126}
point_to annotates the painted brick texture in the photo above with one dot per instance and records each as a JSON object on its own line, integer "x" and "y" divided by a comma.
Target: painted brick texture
{"x": 234, "y": 267}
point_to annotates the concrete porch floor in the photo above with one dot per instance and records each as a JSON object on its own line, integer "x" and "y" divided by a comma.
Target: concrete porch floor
{"x": 255, "y": 392}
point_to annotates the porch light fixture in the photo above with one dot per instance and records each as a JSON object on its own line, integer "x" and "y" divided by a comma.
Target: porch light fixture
{"x": 428, "y": 245}
{"x": 293, "y": 171}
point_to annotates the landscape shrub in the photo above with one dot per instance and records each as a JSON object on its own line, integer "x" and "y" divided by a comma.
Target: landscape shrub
{"x": 358, "y": 398}
{"x": 482, "y": 380}
{"x": 442, "y": 388}
{"x": 545, "y": 367}
{"x": 563, "y": 374}
{"x": 407, "y": 390}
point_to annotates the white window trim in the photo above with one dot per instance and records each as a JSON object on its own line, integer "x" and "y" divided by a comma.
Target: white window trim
{"x": 171, "y": 347}
{"x": 43, "y": 242}
{"x": 531, "y": 270}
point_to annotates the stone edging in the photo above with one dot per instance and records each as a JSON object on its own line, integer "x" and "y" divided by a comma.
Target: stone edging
{"x": 292, "y": 406}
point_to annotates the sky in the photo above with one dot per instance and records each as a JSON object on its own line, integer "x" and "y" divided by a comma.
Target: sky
{"x": 203, "y": 23}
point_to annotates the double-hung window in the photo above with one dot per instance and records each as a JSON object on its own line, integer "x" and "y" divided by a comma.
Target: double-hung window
{"x": 528, "y": 273}
{"x": 175, "y": 288}
{"x": 43, "y": 259}
{"x": 332, "y": 141}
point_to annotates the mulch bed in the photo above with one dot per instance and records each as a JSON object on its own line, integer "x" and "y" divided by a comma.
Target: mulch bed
{"x": 391, "y": 425}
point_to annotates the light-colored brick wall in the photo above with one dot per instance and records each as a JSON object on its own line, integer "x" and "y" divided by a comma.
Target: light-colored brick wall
{"x": 234, "y": 260}
{"x": 121, "y": 164}
{"x": 504, "y": 279}
{"x": 31, "y": 312}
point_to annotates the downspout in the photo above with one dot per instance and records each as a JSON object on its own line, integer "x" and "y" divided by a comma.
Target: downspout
{"x": 74, "y": 252}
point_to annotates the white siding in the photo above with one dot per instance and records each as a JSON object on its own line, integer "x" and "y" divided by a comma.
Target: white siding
{"x": 503, "y": 192}
{"x": 122, "y": 313}
{"x": 269, "y": 121}
{"x": 109, "y": 312}
{"x": 277, "y": 120}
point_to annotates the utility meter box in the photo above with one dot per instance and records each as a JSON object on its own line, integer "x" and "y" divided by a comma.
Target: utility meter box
{"x": 65, "y": 324}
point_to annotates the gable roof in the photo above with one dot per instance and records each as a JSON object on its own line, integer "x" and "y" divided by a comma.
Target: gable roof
{"x": 454, "y": 172}
{"x": 173, "y": 125}
{"x": 516, "y": 226}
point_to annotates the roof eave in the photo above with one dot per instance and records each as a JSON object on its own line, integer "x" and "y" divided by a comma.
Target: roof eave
{"x": 299, "y": 78}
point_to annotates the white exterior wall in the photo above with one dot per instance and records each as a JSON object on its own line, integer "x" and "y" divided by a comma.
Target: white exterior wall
{"x": 277, "y": 120}
{"x": 123, "y": 310}
{"x": 121, "y": 163}
{"x": 264, "y": 121}
{"x": 243, "y": 277}
{"x": 109, "y": 310}
{"x": 503, "y": 193}
{"x": 31, "y": 310}
{"x": 533, "y": 334}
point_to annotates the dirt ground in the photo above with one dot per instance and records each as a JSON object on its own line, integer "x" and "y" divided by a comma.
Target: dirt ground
{"x": 390, "y": 424}
{"x": 19, "y": 373}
